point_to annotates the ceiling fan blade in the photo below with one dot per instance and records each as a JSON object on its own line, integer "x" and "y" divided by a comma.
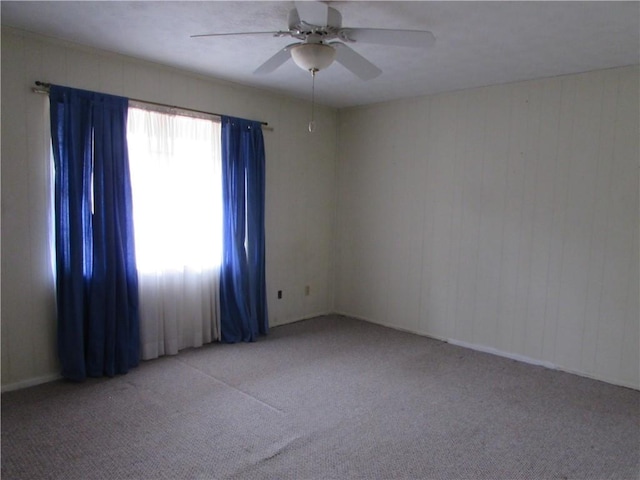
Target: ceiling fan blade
{"x": 313, "y": 13}
{"x": 279, "y": 34}
{"x": 354, "y": 62}
{"x": 274, "y": 62}
{"x": 383, "y": 36}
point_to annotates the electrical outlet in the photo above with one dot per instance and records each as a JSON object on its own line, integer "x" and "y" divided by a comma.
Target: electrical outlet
{"x": 279, "y": 294}
{"x": 307, "y": 290}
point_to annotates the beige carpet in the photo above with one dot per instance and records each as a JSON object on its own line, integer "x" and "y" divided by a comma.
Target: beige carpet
{"x": 325, "y": 398}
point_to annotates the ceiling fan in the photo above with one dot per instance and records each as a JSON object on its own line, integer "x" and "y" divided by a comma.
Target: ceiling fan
{"x": 323, "y": 39}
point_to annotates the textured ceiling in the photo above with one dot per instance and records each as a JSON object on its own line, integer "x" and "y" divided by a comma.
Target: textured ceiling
{"x": 478, "y": 43}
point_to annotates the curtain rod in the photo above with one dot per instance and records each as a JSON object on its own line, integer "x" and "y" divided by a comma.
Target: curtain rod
{"x": 43, "y": 87}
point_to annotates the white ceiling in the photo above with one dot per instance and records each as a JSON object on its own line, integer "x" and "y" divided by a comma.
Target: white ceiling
{"x": 478, "y": 43}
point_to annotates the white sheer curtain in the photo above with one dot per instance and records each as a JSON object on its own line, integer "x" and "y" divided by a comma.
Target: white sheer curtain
{"x": 175, "y": 164}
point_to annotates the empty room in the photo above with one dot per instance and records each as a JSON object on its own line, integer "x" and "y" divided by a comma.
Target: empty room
{"x": 320, "y": 240}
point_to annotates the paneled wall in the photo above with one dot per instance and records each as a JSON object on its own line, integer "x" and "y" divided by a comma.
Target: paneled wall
{"x": 300, "y": 188}
{"x": 503, "y": 218}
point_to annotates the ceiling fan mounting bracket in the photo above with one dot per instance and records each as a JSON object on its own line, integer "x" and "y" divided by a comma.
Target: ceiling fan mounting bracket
{"x": 303, "y": 31}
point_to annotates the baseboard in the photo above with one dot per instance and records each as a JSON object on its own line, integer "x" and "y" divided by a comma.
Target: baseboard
{"x": 542, "y": 363}
{"x": 472, "y": 346}
{"x": 301, "y": 319}
{"x": 500, "y": 353}
{"x": 31, "y": 382}
{"x": 394, "y": 327}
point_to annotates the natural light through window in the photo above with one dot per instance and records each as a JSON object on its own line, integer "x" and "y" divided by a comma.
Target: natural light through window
{"x": 175, "y": 164}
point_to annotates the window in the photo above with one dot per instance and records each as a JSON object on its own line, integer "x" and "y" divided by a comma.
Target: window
{"x": 176, "y": 183}
{"x": 175, "y": 165}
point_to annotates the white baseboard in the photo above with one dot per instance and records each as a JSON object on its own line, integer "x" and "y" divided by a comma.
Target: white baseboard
{"x": 31, "y": 382}
{"x": 500, "y": 353}
{"x": 542, "y": 363}
{"x": 299, "y": 319}
{"x": 394, "y": 327}
{"x": 472, "y": 346}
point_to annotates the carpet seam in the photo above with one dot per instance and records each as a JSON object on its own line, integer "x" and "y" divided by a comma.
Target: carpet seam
{"x": 242, "y": 392}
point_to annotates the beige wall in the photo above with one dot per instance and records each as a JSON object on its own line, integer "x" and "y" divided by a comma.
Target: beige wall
{"x": 503, "y": 218}
{"x": 300, "y": 186}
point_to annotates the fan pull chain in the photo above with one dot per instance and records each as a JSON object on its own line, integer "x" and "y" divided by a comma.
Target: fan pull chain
{"x": 312, "y": 123}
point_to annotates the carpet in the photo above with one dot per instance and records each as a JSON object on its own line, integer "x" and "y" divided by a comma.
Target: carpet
{"x": 326, "y": 398}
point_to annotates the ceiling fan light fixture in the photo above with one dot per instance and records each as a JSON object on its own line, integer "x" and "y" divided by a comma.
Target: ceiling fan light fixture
{"x": 313, "y": 56}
